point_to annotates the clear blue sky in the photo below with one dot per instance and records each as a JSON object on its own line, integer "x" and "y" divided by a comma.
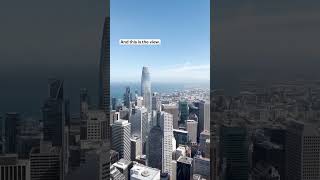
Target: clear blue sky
{"x": 184, "y": 29}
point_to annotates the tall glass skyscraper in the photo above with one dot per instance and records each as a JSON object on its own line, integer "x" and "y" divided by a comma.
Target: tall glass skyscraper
{"x": 146, "y": 88}
{"x": 105, "y": 66}
{"x": 104, "y": 83}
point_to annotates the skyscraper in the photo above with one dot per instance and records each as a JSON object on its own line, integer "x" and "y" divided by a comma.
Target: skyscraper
{"x": 183, "y": 111}
{"x": 10, "y": 130}
{"x": 310, "y": 153}
{"x": 156, "y": 102}
{"x": 204, "y": 116}
{"x": 294, "y": 143}
{"x": 192, "y": 126}
{"x": 146, "y": 88}
{"x": 104, "y": 99}
{"x": 96, "y": 126}
{"x": 53, "y": 112}
{"x": 84, "y": 103}
{"x": 173, "y": 109}
{"x": 139, "y": 125}
{"x": 46, "y": 162}
{"x": 154, "y": 155}
{"x": 121, "y": 138}
{"x": 127, "y": 98}
{"x": 13, "y": 168}
{"x": 104, "y": 79}
{"x": 184, "y": 168}
{"x": 234, "y": 148}
{"x": 113, "y": 103}
{"x": 105, "y": 66}
{"x": 167, "y": 135}
{"x": 55, "y": 87}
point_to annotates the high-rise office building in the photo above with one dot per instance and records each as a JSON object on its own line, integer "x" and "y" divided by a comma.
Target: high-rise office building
{"x": 10, "y": 124}
{"x": 192, "y": 127}
{"x": 55, "y": 87}
{"x": 13, "y": 168}
{"x": 84, "y": 103}
{"x": 184, "y": 168}
{"x": 46, "y": 162}
{"x": 183, "y": 111}
{"x": 53, "y": 121}
{"x": 146, "y": 88}
{"x": 97, "y": 125}
{"x": 181, "y": 136}
{"x": 113, "y": 103}
{"x": 116, "y": 174}
{"x": 136, "y": 147}
{"x": 173, "y": 109}
{"x": 95, "y": 165}
{"x": 121, "y": 138}
{"x": 310, "y": 153}
{"x": 204, "y": 136}
{"x": 2, "y": 133}
{"x": 139, "y": 101}
{"x": 204, "y": 116}
{"x": 53, "y": 113}
{"x": 201, "y": 166}
{"x": 174, "y": 170}
{"x": 154, "y": 155}
{"x": 104, "y": 76}
{"x": 139, "y": 125}
{"x": 127, "y": 98}
{"x": 156, "y": 102}
{"x": 105, "y": 66}
{"x": 167, "y": 135}
{"x": 104, "y": 79}
{"x": 234, "y": 148}
{"x": 124, "y": 113}
{"x": 27, "y": 136}
{"x": 294, "y": 142}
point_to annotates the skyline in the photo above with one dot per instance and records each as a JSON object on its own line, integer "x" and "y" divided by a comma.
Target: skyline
{"x": 169, "y": 61}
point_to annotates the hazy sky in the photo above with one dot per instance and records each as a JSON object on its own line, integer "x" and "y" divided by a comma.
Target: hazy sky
{"x": 259, "y": 39}
{"x": 183, "y": 27}
{"x": 41, "y": 39}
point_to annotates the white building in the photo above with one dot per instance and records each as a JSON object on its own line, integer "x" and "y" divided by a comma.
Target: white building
{"x": 180, "y": 151}
{"x": 192, "y": 127}
{"x": 204, "y": 119}
{"x": 136, "y": 147}
{"x": 139, "y": 101}
{"x": 167, "y": 135}
{"x": 140, "y": 124}
{"x": 97, "y": 125}
{"x": 173, "y": 109}
{"x": 142, "y": 172}
{"x": 174, "y": 170}
{"x": 121, "y": 138}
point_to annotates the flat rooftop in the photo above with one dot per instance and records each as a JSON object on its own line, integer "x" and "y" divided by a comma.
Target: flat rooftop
{"x": 185, "y": 160}
{"x": 142, "y": 172}
{"x": 122, "y": 164}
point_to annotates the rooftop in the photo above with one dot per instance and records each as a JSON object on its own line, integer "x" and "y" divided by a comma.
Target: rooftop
{"x": 185, "y": 160}
{"x": 121, "y": 122}
{"x": 142, "y": 172}
{"x": 122, "y": 164}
